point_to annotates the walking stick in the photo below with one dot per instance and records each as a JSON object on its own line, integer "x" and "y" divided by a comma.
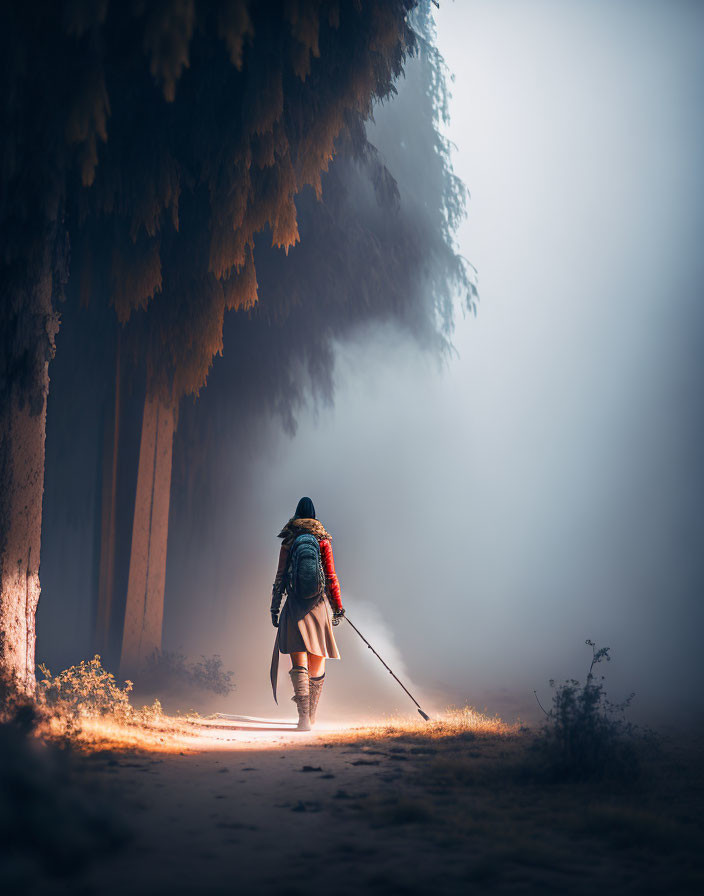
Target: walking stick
{"x": 425, "y": 716}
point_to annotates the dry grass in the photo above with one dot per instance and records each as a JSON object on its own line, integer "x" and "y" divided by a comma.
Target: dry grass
{"x": 152, "y": 730}
{"x": 479, "y": 791}
{"x": 435, "y": 806}
{"x": 463, "y": 724}
{"x": 85, "y": 707}
{"x": 165, "y": 734}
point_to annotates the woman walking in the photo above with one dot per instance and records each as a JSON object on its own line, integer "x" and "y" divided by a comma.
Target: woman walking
{"x": 306, "y": 572}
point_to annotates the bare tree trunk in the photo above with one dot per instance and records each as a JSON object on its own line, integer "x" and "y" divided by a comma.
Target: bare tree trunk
{"x": 22, "y": 437}
{"x": 147, "y": 577}
{"x": 106, "y": 576}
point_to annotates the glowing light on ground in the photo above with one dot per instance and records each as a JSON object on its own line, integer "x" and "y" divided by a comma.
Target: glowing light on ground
{"x": 188, "y": 734}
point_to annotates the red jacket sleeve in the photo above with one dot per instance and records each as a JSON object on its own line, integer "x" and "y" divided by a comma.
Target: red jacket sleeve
{"x": 330, "y": 574}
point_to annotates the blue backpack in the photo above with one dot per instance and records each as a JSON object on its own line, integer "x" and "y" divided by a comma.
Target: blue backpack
{"x": 306, "y": 579}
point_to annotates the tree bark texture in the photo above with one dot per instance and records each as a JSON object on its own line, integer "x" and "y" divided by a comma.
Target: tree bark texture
{"x": 29, "y": 340}
{"x": 144, "y": 610}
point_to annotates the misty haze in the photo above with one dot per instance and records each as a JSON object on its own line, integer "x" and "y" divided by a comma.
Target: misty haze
{"x": 440, "y": 271}
{"x": 550, "y": 466}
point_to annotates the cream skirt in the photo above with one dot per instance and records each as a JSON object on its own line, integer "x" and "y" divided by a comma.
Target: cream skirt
{"x": 303, "y": 630}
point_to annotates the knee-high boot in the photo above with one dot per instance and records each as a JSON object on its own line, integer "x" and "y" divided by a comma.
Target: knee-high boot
{"x": 301, "y": 696}
{"x": 316, "y": 686}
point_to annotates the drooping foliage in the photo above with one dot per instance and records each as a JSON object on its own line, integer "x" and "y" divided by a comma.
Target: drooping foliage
{"x": 150, "y": 143}
{"x": 162, "y": 137}
{"x": 379, "y": 248}
{"x": 377, "y": 253}
{"x": 256, "y": 95}
{"x": 182, "y": 201}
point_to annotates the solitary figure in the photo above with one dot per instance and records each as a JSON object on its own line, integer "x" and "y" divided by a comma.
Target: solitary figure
{"x": 306, "y": 572}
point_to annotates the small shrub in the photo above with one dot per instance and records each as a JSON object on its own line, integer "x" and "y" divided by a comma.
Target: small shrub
{"x": 149, "y": 714}
{"x": 88, "y": 690}
{"x": 585, "y": 735}
{"x": 85, "y": 689}
{"x": 209, "y": 675}
{"x": 166, "y": 670}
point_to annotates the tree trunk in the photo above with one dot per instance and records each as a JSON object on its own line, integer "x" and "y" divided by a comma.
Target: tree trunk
{"x": 22, "y": 438}
{"x": 106, "y": 575}
{"x": 147, "y": 577}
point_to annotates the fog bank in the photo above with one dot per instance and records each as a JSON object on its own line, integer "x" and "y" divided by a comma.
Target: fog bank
{"x": 543, "y": 486}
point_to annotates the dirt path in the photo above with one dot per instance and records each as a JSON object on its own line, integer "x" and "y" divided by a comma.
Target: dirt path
{"x": 398, "y": 813}
{"x": 265, "y": 812}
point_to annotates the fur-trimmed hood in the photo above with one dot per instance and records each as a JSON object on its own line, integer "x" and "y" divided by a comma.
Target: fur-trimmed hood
{"x": 298, "y": 526}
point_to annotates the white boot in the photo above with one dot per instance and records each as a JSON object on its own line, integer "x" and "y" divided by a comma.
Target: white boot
{"x": 301, "y": 695}
{"x": 316, "y": 686}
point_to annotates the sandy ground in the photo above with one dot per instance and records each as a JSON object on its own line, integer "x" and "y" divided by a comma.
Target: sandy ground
{"x": 394, "y": 810}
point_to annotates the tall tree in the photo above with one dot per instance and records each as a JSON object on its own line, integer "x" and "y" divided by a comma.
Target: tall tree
{"x": 378, "y": 249}
{"x": 377, "y": 253}
{"x": 163, "y": 137}
{"x": 33, "y": 269}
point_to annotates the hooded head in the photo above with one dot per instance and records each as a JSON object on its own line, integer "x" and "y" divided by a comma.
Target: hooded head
{"x": 303, "y": 520}
{"x": 305, "y": 509}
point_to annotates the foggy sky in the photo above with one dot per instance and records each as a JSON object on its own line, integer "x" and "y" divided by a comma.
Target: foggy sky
{"x": 543, "y": 486}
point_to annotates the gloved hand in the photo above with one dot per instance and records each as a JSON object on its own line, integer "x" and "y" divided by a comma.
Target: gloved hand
{"x": 337, "y": 615}
{"x": 276, "y": 597}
